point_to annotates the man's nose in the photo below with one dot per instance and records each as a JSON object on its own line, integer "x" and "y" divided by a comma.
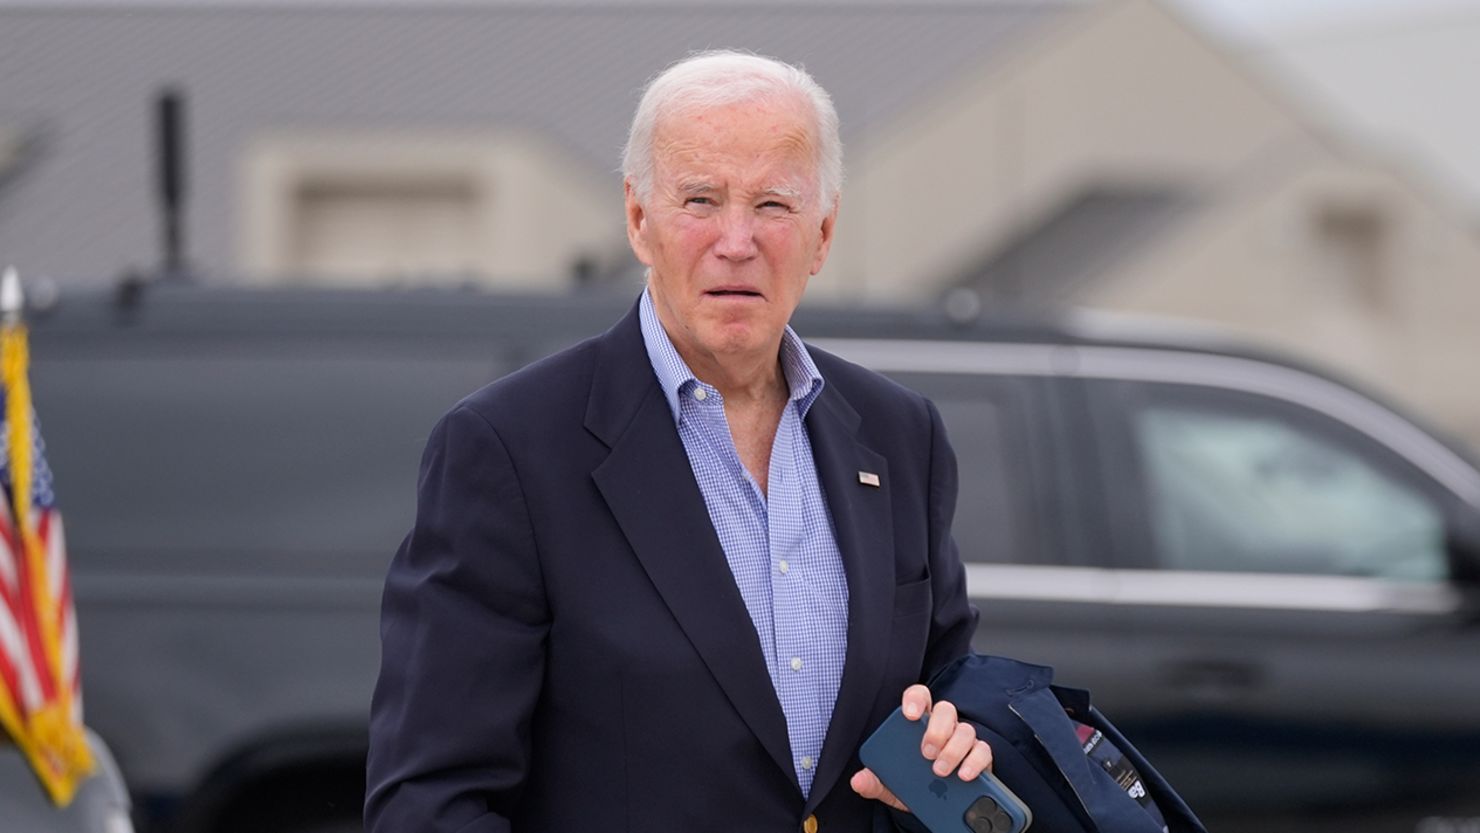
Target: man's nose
{"x": 736, "y": 234}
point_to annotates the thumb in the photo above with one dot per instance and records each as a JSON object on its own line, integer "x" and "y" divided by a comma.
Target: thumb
{"x": 868, "y": 785}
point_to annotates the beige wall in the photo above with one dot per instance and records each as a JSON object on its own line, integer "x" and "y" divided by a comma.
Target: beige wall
{"x": 504, "y": 209}
{"x": 1122, "y": 92}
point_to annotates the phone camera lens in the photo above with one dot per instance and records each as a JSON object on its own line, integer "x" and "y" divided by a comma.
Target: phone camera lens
{"x": 986, "y": 816}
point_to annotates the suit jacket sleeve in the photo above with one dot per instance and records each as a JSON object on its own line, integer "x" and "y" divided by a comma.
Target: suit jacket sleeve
{"x": 463, "y": 626}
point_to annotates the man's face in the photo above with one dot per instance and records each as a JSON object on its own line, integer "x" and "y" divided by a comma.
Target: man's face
{"x": 733, "y": 228}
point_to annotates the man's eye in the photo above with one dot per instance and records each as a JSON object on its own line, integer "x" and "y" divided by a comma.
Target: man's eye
{"x": 775, "y": 204}
{"x": 698, "y": 201}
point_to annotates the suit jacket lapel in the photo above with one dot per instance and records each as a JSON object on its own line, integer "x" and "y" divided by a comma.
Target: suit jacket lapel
{"x": 650, "y": 488}
{"x": 863, "y": 524}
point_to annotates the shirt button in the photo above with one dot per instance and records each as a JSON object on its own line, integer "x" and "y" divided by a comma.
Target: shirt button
{"x": 796, "y": 663}
{"x": 806, "y": 762}
{"x": 701, "y": 394}
{"x": 784, "y": 567}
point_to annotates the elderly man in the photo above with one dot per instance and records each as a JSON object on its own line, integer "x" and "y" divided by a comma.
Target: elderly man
{"x": 671, "y": 578}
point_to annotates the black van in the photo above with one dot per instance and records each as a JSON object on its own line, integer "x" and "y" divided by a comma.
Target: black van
{"x": 1267, "y": 577}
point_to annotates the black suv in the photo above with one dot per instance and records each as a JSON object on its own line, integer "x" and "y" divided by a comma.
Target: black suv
{"x": 1266, "y": 577}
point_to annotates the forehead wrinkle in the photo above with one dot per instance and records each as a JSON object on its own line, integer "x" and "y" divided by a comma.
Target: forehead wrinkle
{"x": 699, "y": 183}
{"x": 799, "y": 140}
{"x": 695, "y": 186}
{"x": 789, "y": 138}
{"x": 680, "y": 148}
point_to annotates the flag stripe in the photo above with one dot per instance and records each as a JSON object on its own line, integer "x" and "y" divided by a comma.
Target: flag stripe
{"x": 53, "y": 533}
{"x": 29, "y": 620}
{"x": 9, "y": 676}
{"x": 7, "y": 568}
{"x": 9, "y": 571}
{"x": 68, "y": 630}
{"x": 9, "y": 596}
{"x": 22, "y": 676}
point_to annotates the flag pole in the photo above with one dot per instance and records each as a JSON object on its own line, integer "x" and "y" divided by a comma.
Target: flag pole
{"x": 12, "y": 298}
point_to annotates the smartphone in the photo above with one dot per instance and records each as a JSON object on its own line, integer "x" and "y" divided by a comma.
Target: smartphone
{"x": 945, "y": 805}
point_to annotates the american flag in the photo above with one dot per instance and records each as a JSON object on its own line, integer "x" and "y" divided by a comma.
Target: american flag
{"x": 40, "y": 696}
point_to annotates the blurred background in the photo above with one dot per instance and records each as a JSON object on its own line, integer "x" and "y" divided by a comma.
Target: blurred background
{"x": 1302, "y": 176}
{"x": 1303, "y": 173}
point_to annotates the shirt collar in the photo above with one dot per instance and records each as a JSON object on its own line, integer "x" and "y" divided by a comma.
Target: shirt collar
{"x": 674, "y": 376}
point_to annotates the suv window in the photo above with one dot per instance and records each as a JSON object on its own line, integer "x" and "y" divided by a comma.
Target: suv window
{"x": 310, "y": 449}
{"x": 1239, "y": 482}
{"x": 1001, "y": 497}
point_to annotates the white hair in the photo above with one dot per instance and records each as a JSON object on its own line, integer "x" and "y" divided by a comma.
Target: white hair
{"x": 720, "y": 77}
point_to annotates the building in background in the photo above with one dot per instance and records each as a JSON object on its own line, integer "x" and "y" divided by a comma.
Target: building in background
{"x": 413, "y": 142}
{"x": 1122, "y": 161}
{"x": 1033, "y": 155}
{"x": 1396, "y": 73}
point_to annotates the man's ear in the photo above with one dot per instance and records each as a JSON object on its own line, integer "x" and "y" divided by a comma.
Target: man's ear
{"x": 636, "y": 224}
{"x": 824, "y": 241}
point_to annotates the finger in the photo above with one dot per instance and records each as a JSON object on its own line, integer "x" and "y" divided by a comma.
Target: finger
{"x": 868, "y": 785}
{"x": 916, "y": 701}
{"x": 963, "y": 737}
{"x": 979, "y": 760}
{"x": 938, "y": 732}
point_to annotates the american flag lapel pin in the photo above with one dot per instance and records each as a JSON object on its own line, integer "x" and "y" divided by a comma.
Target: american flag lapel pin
{"x": 868, "y": 478}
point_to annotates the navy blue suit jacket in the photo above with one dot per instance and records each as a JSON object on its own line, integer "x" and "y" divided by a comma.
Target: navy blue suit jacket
{"x": 1027, "y": 721}
{"x": 565, "y": 649}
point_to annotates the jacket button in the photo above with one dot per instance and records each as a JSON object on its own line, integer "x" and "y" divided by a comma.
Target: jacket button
{"x": 810, "y": 825}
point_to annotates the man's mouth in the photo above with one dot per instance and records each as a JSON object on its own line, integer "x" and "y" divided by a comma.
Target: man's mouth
{"x": 734, "y": 293}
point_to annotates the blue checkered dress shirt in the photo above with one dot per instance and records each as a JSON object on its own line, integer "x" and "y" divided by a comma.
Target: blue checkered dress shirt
{"x": 780, "y": 546}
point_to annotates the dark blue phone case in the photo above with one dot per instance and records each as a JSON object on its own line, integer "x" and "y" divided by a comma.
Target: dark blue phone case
{"x": 945, "y": 805}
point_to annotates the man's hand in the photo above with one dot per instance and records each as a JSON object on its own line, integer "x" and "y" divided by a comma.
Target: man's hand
{"x": 951, "y": 744}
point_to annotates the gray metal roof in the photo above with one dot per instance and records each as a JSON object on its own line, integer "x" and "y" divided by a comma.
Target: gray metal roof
{"x": 1091, "y": 232}
{"x": 77, "y": 81}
